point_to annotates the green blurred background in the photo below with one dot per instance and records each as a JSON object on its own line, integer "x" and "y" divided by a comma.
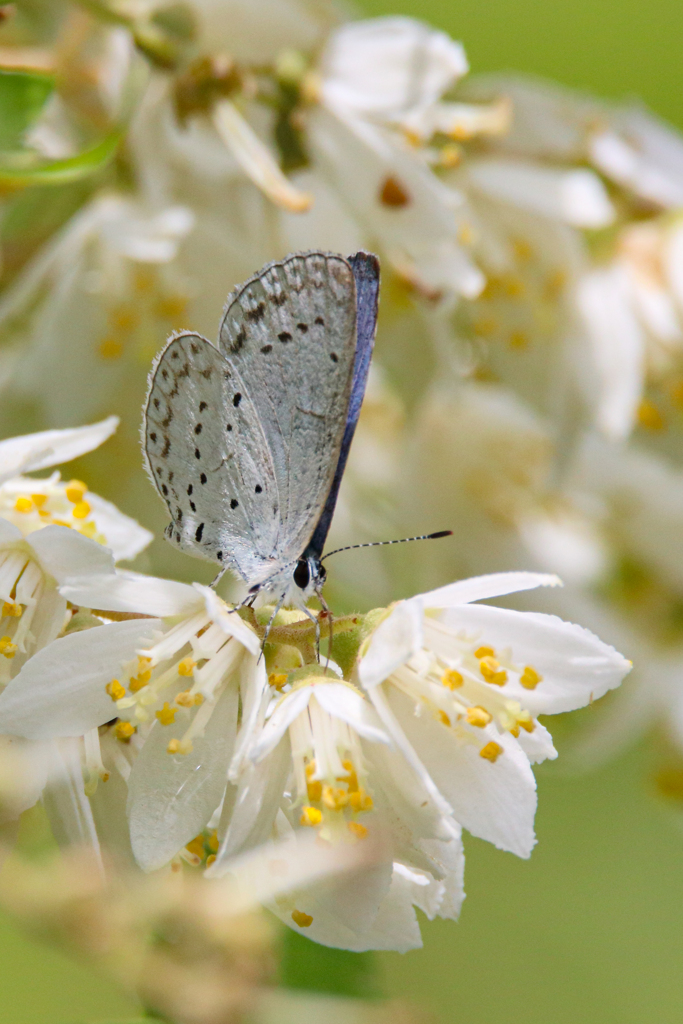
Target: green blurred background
{"x": 591, "y": 928}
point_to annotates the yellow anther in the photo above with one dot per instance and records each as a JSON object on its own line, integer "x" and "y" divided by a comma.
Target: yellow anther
{"x": 81, "y": 511}
{"x": 530, "y": 678}
{"x": 166, "y": 715}
{"x": 484, "y": 652}
{"x": 89, "y": 529}
{"x": 492, "y": 672}
{"x": 514, "y": 286}
{"x": 393, "y": 193}
{"x": 361, "y": 801}
{"x": 110, "y": 348}
{"x": 62, "y": 522}
{"x": 198, "y": 698}
{"x": 173, "y": 747}
{"x": 137, "y": 682}
{"x": 124, "y": 731}
{"x": 278, "y": 679}
{"x": 334, "y": 798}
{"x": 213, "y": 842}
{"x": 358, "y": 830}
{"x": 303, "y": 920}
{"x": 12, "y": 609}
{"x": 44, "y": 514}
{"x": 514, "y": 730}
{"x": 351, "y": 779}
{"x": 452, "y": 679}
{"x": 39, "y": 499}
{"x": 171, "y": 307}
{"x": 310, "y": 769}
{"x": 466, "y": 234}
{"x": 186, "y": 667}
{"x": 196, "y": 846}
{"x": 123, "y": 318}
{"x": 485, "y": 326}
{"x": 211, "y": 859}
{"x": 75, "y": 490}
{"x": 7, "y": 647}
{"x": 555, "y": 283}
{"x": 115, "y": 690}
{"x": 519, "y": 339}
{"x": 450, "y": 155}
{"x": 522, "y": 249}
{"x": 144, "y": 279}
{"x": 478, "y": 716}
{"x": 23, "y": 504}
{"x": 525, "y": 721}
{"x": 185, "y": 699}
{"x": 314, "y": 789}
{"x": 444, "y": 719}
{"x": 650, "y": 417}
{"x": 310, "y": 816}
{"x": 185, "y": 747}
{"x": 491, "y": 752}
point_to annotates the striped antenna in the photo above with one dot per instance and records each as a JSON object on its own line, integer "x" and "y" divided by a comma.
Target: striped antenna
{"x": 379, "y": 543}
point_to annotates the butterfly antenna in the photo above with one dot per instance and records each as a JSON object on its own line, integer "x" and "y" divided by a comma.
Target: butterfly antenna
{"x": 380, "y": 543}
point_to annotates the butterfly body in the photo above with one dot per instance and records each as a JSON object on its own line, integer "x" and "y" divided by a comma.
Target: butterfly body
{"x": 246, "y": 440}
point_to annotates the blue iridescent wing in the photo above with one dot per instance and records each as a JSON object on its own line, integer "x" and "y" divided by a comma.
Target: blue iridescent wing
{"x": 365, "y": 268}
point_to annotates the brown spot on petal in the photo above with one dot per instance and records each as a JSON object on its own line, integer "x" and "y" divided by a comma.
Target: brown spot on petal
{"x": 393, "y": 193}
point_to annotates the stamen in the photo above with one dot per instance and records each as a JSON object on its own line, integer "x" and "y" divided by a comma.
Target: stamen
{"x": 491, "y": 671}
{"x": 452, "y": 679}
{"x": 75, "y": 490}
{"x": 530, "y": 678}
{"x": 303, "y": 920}
{"x": 115, "y": 690}
{"x": 478, "y": 716}
{"x": 491, "y": 752}
{"x": 7, "y": 647}
{"x": 310, "y": 816}
{"x": 166, "y": 714}
{"x": 124, "y": 731}
{"x": 23, "y": 504}
{"x": 359, "y": 831}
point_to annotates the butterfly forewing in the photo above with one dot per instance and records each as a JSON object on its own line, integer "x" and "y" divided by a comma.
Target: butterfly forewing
{"x": 291, "y": 333}
{"x": 210, "y": 459}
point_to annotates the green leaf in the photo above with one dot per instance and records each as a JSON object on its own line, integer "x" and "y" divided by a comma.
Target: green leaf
{"x": 23, "y": 95}
{"x": 306, "y": 965}
{"x": 24, "y": 169}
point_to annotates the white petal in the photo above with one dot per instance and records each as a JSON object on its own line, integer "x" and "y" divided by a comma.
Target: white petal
{"x": 394, "y": 642}
{"x": 388, "y": 66}
{"x": 480, "y": 588}
{"x": 576, "y": 197}
{"x": 229, "y": 621}
{"x": 63, "y": 553}
{"x": 496, "y": 802}
{"x": 575, "y": 665}
{"x": 254, "y": 695}
{"x": 537, "y": 745}
{"x": 124, "y": 536}
{"x": 342, "y": 702}
{"x": 172, "y": 796}
{"x": 60, "y": 691}
{"x": 132, "y": 592}
{"x": 67, "y": 807}
{"x": 51, "y": 447}
{"x": 282, "y": 717}
{"x": 9, "y": 533}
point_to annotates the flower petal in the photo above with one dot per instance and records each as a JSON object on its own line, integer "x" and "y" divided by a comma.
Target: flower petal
{"x": 394, "y": 642}
{"x": 480, "y": 588}
{"x": 282, "y": 717}
{"x": 61, "y": 690}
{"x": 68, "y": 808}
{"x": 51, "y": 447}
{"x": 341, "y": 702}
{"x": 125, "y": 591}
{"x": 63, "y": 553}
{"x": 124, "y": 536}
{"x": 229, "y": 621}
{"x": 172, "y": 796}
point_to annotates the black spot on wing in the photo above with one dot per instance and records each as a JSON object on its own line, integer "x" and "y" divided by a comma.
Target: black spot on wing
{"x": 198, "y": 532}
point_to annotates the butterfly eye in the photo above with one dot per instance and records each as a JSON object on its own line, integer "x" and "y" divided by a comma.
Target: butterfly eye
{"x": 302, "y": 574}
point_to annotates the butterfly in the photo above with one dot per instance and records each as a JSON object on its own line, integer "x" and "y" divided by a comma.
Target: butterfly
{"x": 247, "y": 440}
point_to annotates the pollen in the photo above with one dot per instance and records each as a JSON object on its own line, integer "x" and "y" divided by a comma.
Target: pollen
{"x": 173, "y": 747}
{"x": 525, "y": 721}
{"x": 650, "y": 417}
{"x": 166, "y": 715}
{"x": 452, "y": 679}
{"x": 75, "y": 490}
{"x": 351, "y": 779}
{"x": 110, "y": 348}
{"x": 358, "y": 830}
{"x": 484, "y": 652}
{"x": 530, "y": 678}
{"x": 39, "y": 499}
{"x": 303, "y": 920}
{"x": 277, "y": 679}
{"x": 23, "y": 504}
{"x": 492, "y": 672}
{"x": 444, "y": 719}
{"x": 7, "y": 647}
{"x": 310, "y": 816}
{"x": 137, "y": 682}
{"x": 519, "y": 339}
{"x": 212, "y": 842}
{"x": 81, "y": 511}
{"x": 115, "y": 690}
{"x": 124, "y": 731}
{"x": 491, "y": 752}
{"x": 314, "y": 789}
{"x": 186, "y": 667}
{"x": 196, "y": 847}
{"x": 185, "y": 699}
{"x": 334, "y": 798}
{"x": 478, "y": 716}
{"x": 211, "y": 859}
{"x": 361, "y": 801}
{"x": 12, "y": 609}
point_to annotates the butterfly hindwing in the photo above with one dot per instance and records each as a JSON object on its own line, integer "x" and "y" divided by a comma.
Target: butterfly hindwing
{"x": 209, "y": 458}
{"x": 291, "y": 332}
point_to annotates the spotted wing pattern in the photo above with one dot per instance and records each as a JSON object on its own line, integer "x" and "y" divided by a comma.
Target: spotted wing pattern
{"x": 291, "y": 332}
{"x": 209, "y": 459}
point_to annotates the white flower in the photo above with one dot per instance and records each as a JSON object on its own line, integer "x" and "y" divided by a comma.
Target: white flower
{"x": 50, "y": 531}
{"x": 459, "y": 686}
{"x": 176, "y": 688}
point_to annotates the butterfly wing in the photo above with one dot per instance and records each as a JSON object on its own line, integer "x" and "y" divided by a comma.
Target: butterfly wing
{"x": 290, "y": 332}
{"x": 209, "y": 459}
{"x": 365, "y": 268}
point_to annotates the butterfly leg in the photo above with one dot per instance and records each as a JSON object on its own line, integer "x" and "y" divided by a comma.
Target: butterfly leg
{"x": 216, "y": 580}
{"x": 271, "y": 620}
{"x": 328, "y": 615}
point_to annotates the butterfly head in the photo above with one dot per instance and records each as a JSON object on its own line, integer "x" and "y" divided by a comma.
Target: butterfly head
{"x": 309, "y": 576}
